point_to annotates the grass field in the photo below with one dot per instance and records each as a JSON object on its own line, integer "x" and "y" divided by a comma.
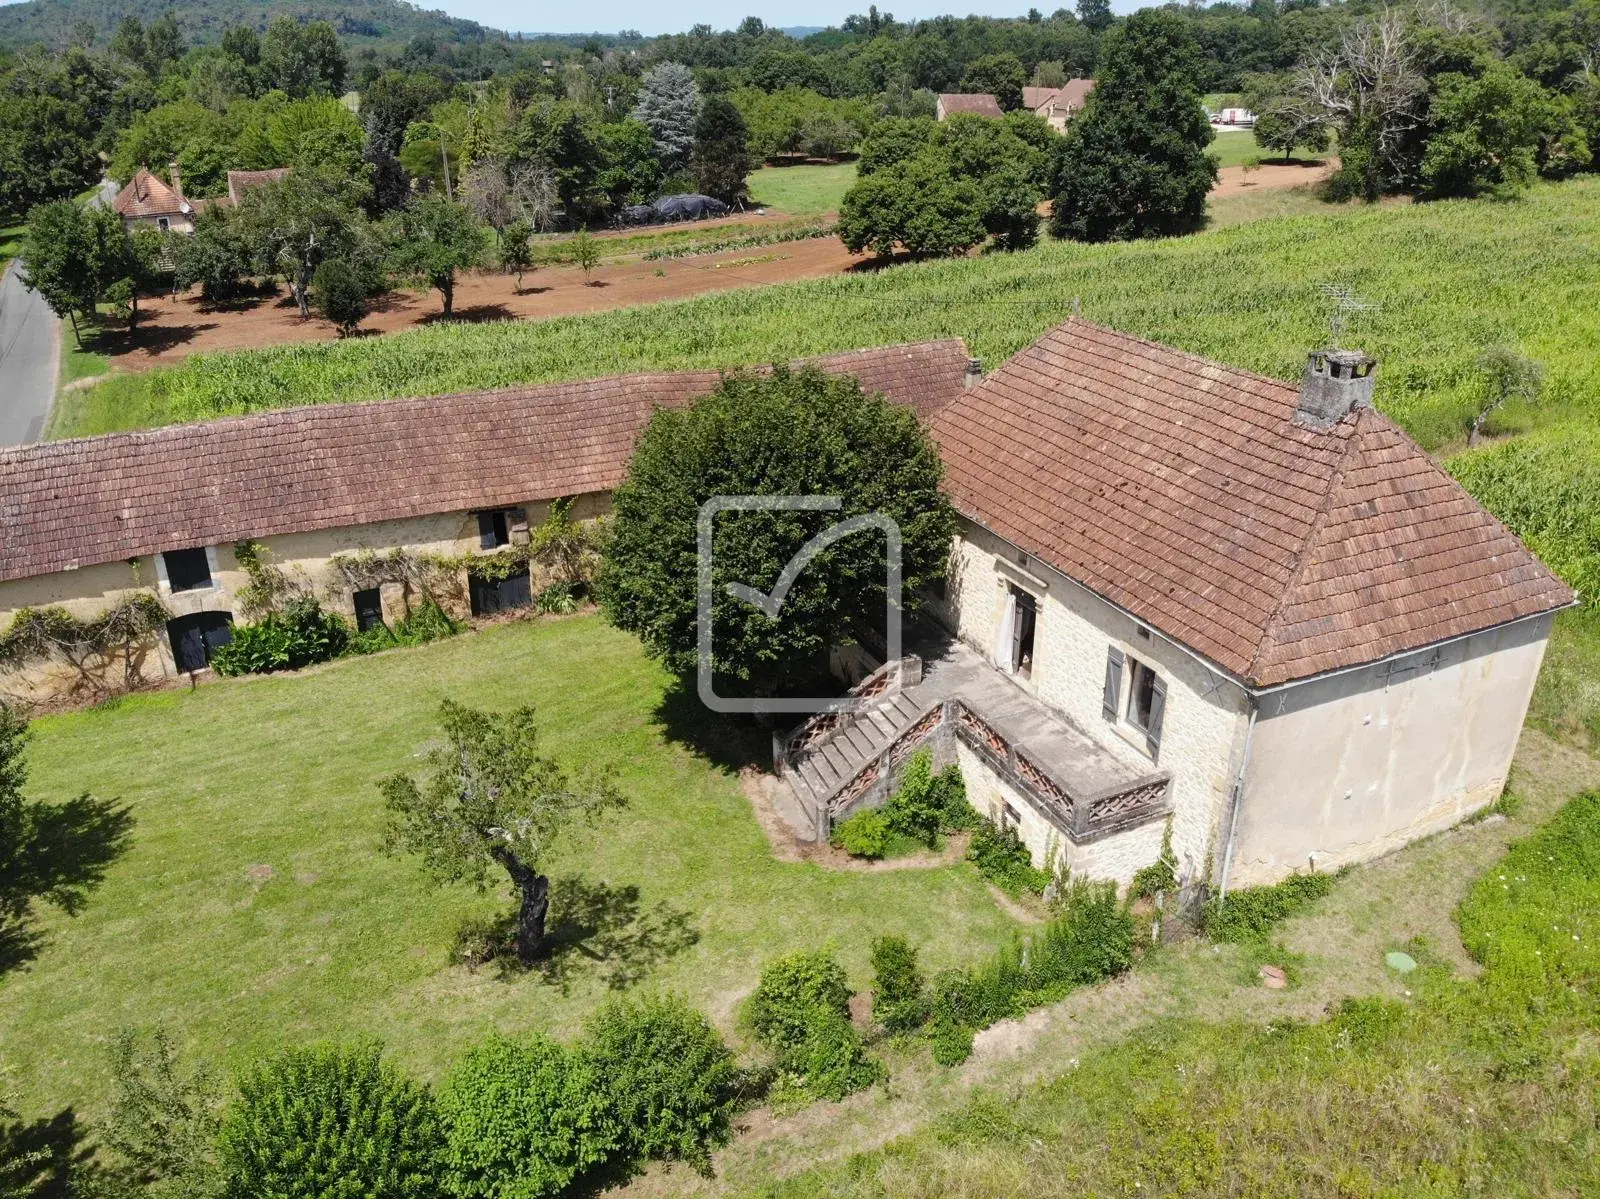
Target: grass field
{"x": 1448, "y": 279}
{"x": 255, "y": 905}
{"x": 808, "y": 190}
{"x": 1233, "y": 149}
{"x": 1459, "y": 1088}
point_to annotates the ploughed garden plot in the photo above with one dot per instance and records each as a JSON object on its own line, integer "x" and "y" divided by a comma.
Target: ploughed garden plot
{"x": 255, "y": 905}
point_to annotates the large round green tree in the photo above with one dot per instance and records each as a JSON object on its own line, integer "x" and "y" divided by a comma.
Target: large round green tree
{"x": 787, "y": 433}
{"x": 1134, "y": 161}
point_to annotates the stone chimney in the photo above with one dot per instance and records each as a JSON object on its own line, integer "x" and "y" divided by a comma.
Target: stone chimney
{"x": 1335, "y": 383}
{"x": 972, "y": 375}
{"x": 177, "y": 179}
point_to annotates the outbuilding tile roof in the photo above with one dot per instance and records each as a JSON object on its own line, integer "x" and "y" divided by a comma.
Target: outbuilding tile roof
{"x": 1182, "y": 491}
{"x": 75, "y": 503}
{"x": 978, "y": 103}
{"x": 240, "y": 182}
{"x": 1071, "y": 95}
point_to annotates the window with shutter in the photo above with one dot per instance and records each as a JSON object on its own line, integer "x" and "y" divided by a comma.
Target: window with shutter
{"x": 492, "y": 530}
{"x": 1113, "y": 682}
{"x": 1147, "y": 703}
{"x": 1158, "y": 710}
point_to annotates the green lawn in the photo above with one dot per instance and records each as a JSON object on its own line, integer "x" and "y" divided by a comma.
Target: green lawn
{"x": 1233, "y": 149}
{"x": 10, "y": 242}
{"x": 809, "y": 190}
{"x": 343, "y": 942}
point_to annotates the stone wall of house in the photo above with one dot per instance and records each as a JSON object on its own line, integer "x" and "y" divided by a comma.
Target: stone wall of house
{"x": 1202, "y": 737}
{"x": 306, "y": 558}
{"x": 1351, "y": 766}
{"x": 1115, "y": 858}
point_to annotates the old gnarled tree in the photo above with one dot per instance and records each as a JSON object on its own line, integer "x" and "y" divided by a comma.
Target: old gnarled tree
{"x": 491, "y": 799}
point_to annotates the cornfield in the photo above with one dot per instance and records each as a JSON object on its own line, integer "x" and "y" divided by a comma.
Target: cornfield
{"x": 1448, "y": 279}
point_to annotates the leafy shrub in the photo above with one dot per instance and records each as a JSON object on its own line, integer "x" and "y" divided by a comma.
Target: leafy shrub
{"x": 1089, "y": 939}
{"x": 952, "y": 1043}
{"x": 801, "y": 1011}
{"x": 164, "y": 1123}
{"x": 298, "y": 636}
{"x": 863, "y": 835}
{"x": 341, "y": 291}
{"x": 673, "y": 1082}
{"x": 1158, "y": 877}
{"x": 925, "y": 804}
{"x": 323, "y": 1120}
{"x": 523, "y": 1119}
{"x": 1252, "y": 912}
{"x": 900, "y": 995}
{"x": 794, "y": 990}
{"x": 426, "y": 622}
{"x": 371, "y": 641}
{"x": 1003, "y": 859}
{"x": 559, "y": 599}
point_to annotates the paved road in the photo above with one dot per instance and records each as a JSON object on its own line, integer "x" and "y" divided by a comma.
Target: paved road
{"x": 30, "y": 343}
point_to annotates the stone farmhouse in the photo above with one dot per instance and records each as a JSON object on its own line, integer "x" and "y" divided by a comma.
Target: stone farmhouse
{"x": 1057, "y": 105}
{"x": 149, "y": 201}
{"x": 1185, "y": 602}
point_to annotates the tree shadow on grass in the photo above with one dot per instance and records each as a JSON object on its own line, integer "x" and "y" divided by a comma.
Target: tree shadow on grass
{"x": 69, "y": 848}
{"x": 47, "y": 1159}
{"x": 603, "y": 931}
{"x": 728, "y": 741}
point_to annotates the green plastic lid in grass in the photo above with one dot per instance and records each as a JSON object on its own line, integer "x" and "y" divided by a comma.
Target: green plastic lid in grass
{"x": 1403, "y": 962}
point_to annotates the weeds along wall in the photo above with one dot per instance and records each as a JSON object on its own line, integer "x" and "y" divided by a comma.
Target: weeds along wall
{"x": 309, "y": 560}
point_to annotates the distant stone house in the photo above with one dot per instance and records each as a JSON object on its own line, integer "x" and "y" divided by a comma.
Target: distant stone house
{"x": 146, "y": 200}
{"x": 1058, "y": 105}
{"x": 1183, "y": 600}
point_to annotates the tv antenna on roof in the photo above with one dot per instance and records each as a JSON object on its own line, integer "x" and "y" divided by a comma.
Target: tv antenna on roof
{"x": 1344, "y": 301}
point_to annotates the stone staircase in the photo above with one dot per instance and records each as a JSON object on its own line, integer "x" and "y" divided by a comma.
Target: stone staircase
{"x": 859, "y": 739}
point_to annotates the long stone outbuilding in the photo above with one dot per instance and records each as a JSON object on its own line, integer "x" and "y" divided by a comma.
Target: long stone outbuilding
{"x": 1190, "y": 604}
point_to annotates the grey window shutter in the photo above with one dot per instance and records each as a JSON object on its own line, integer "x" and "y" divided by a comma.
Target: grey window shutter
{"x": 486, "y": 540}
{"x": 1158, "y": 709}
{"x": 1113, "y": 682}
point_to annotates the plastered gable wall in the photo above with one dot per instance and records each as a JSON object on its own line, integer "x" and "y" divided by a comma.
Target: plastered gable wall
{"x": 304, "y": 557}
{"x": 1352, "y": 766}
{"x": 1203, "y": 730}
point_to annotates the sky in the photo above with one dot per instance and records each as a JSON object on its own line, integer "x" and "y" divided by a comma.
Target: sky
{"x": 651, "y": 16}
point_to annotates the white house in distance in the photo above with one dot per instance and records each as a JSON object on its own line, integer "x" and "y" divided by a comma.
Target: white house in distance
{"x": 1183, "y": 598}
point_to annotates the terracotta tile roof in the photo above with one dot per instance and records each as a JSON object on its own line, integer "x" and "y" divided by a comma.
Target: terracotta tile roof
{"x": 145, "y": 195}
{"x": 1182, "y": 491}
{"x": 1070, "y": 96}
{"x": 978, "y": 103}
{"x": 240, "y": 182}
{"x": 104, "y": 499}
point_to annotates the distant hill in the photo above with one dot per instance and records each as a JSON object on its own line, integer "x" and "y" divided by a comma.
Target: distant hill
{"x": 202, "y": 21}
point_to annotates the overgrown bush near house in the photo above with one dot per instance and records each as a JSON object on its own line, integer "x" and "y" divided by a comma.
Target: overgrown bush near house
{"x": 559, "y": 599}
{"x": 1158, "y": 877}
{"x": 899, "y": 993}
{"x": 1003, "y": 859}
{"x": 672, "y": 1081}
{"x": 926, "y": 804}
{"x": 801, "y": 1012}
{"x": 1253, "y": 912}
{"x": 426, "y": 622}
{"x": 298, "y": 636}
{"x": 1088, "y": 940}
{"x": 320, "y": 1121}
{"x": 863, "y": 835}
{"x": 523, "y": 1119}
